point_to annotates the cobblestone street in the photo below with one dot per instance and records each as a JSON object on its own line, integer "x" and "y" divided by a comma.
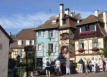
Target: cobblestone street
{"x": 101, "y": 74}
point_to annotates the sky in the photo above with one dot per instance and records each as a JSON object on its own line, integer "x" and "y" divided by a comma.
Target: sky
{"x": 16, "y": 15}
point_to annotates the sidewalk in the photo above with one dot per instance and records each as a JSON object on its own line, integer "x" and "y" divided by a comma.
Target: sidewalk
{"x": 100, "y": 74}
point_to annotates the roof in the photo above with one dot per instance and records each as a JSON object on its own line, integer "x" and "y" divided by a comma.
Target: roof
{"x": 47, "y": 25}
{"x": 26, "y": 34}
{"x": 5, "y": 33}
{"x": 89, "y": 19}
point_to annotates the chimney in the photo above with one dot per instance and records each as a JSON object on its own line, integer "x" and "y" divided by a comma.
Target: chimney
{"x": 61, "y": 14}
{"x": 67, "y": 11}
{"x": 72, "y": 14}
{"x": 57, "y": 15}
{"x": 96, "y": 13}
{"x": 10, "y": 33}
{"x": 105, "y": 21}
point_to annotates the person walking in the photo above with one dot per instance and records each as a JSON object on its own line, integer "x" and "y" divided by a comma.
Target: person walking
{"x": 93, "y": 65}
{"x": 86, "y": 64}
{"x": 67, "y": 67}
{"x": 47, "y": 67}
{"x": 106, "y": 65}
{"x": 58, "y": 65}
{"x": 80, "y": 65}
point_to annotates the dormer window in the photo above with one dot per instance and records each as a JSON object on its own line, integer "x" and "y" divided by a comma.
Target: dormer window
{"x": 53, "y": 21}
{"x": 87, "y": 28}
{"x": 92, "y": 27}
{"x": 19, "y": 42}
{"x": 27, "y": 42}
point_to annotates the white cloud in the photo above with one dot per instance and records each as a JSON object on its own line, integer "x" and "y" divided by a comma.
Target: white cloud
{"x": 20, "y": 21}
{"x": 17, "y": 22}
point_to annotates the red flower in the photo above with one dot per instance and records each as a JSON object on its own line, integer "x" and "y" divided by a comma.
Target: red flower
{"x": 80, "y": 50}
{"x": 95, "y": 49}
{"x": 63, "y": 52}
{"x": 88, "y": 32}
{"x": 72, "y": 54}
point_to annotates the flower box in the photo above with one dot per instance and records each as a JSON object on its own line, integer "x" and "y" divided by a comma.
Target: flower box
{"x": 95, "y": 49}
{"x": 88, "y": 32}
{"x": 81, "y": 50}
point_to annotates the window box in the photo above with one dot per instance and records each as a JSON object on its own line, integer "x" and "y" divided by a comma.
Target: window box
{"x": 72, "y": 54}
{"x": 81, "y": 50}
{"x": 88, "y": 32}
{"x": 95, "y": 49}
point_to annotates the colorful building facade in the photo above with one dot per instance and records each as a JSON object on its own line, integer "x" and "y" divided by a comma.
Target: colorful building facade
{"x": 47, "y": 42}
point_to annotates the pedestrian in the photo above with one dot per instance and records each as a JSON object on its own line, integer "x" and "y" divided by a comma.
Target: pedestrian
{"x": 93, "y": 65}
{"x": 67, "y": 67}
{"x": 58, "y": 65}
{"x": 80, "y": 65}
{"x": 100, "y": 64}
{"x": 86, "y": 64}
{"x": 89, "y": 65}
{"x": 47, "y": 67}
{"x": 106, "y": 64}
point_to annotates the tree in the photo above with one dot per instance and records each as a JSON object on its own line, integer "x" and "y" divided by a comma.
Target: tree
{"x": 105, "y": 52}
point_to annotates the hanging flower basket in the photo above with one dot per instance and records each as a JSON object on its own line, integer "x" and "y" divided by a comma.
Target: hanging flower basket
{"x": 95, "y": 49}
{"x": 81, "y": 50}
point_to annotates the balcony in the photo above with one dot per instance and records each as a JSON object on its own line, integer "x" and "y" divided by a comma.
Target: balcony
{"x": 87, "y": 32}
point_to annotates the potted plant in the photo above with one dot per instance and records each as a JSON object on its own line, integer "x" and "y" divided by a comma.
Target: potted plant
{"x": 95, "y": 49}
{"x": 81, "y": 50}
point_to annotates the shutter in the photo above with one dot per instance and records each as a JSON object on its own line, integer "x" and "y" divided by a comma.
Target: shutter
{"x": 90, "y": 44}
{"x": 36, "y": 47}
{"x": 80, "y": 29}
{"x": 85, "y": 45}
{"x": 76, "y": 45}
{"x": 54, "y": 47}
{"x": 100, "y": 43}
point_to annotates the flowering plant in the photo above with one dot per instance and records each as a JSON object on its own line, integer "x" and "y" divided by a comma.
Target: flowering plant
{"x": 95, "y": 49}
{"x": 88, "y": 32}
{"x": 81, "y": 50}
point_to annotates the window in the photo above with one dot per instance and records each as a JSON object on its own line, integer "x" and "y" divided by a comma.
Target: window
{"x": 83, "y": 29}
{"x": 87, "y": 28}
{"x": 32, "y": 42}
{"x": 20, "y": 52}
{"x": 27, "y": 42}
{"x": 19, "y": 42}
{"x": 39, "y": 33}
{"x": 50, "y": 33}
{"x": 64, "y": 22}
{"x": 53, "y": 21}
{"x": 39, "y": 47}
{"x": 81, "y": 45}
{"x": 91, "y": 27}
{"x": 95, "y": 43}
{"x": 50, "y": 47}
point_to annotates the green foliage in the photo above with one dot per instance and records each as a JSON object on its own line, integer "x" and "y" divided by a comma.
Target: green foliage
{"x": 49, "y": 52}
{"x": 105, "y": 52}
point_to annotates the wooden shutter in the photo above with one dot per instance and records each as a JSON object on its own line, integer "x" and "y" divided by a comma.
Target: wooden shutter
{"x": 100, "y": 43}
{"x": 76, "y": 45}
{"x": 90, "y": 44}
{"x": 85, "y": 45}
